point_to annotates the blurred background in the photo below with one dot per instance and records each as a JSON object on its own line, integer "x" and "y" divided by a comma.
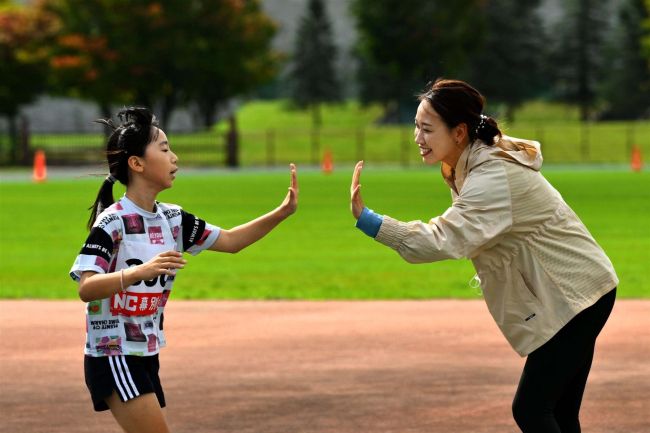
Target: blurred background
{"x": 263, "y": 82}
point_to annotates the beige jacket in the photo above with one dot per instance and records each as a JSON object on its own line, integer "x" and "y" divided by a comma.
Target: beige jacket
{"x": 537, "y": 264}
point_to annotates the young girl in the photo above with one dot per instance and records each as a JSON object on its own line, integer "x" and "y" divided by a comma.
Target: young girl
{"x": 128, "y": 264}
{"x": 547, "y": 283}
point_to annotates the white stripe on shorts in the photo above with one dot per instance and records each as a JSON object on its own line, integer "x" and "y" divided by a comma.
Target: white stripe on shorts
{"x": 117, "y": 379}
{"x": 128, "y": 375}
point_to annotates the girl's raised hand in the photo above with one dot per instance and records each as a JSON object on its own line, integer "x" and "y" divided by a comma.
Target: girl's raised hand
{"x": 290, "y": 203}
{"x": 356, "y": 202}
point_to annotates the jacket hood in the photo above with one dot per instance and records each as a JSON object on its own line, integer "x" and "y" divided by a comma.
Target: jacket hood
{"x": 524, "y": 152}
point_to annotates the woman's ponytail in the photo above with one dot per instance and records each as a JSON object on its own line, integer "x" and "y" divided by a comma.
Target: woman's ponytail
{"x": 486, "y": 130}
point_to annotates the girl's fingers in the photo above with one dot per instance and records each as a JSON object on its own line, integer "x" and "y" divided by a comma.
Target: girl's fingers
{"x": 294, "y": 176}
{"x": 170, "y": 253}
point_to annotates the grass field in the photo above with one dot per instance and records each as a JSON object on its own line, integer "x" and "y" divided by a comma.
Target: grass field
{"x": 273, "y": 134}
{"x": 317, "y": 254}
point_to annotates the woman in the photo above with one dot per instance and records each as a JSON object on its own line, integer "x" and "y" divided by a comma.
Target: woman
{"x": 128, "y": 264}
{"x": 546, "y": 282}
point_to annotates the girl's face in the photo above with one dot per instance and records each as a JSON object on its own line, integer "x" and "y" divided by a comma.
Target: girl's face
{"x": 437, "y": 142}
{"x": 159, "y": 162}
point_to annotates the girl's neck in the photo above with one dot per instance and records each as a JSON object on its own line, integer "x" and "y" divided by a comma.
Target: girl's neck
{"x": 145, "y": 200}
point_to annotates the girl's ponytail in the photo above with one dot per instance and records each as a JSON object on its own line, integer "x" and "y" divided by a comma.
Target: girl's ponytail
{"x": 104, "y": 199}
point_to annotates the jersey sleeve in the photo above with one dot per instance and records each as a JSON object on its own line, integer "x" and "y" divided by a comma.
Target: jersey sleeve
{"x": 97, "y": 251}
{"x": 197, "y": 235}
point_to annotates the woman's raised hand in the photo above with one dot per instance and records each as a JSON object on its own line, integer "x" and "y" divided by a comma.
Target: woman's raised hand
{"x": 290, "y": 203}
{"x": 356, "y": 202}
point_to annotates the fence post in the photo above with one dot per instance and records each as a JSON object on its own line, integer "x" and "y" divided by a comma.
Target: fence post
{"x": 315, "y": 145}
{"x": 25, "y": 148}
{"x": 361, "y": 143}
{"x": 232, "y": 143}
{"x": 270, "y": 147}
{"x": 584, "y": 141}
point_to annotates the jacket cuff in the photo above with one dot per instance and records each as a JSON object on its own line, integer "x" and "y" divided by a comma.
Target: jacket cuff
{"x": 369, "y": 222}
{"x": 391, "y": 233}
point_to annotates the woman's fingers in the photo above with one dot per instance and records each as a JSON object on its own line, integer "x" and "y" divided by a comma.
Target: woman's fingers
{"x": 356, "y": 176}
{"x": 356, "y": 202}
{"x": 356, "y": 193}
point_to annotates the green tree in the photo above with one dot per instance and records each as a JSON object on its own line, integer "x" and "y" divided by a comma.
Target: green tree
{"x": 161, "y": 53}
{"x": 509, "y": 66}
{"x": 23, "y": 63}
{"x": 115, "y": 52}
{"x": 627, "y": 90}
{"x": 230, "y": 53}
{"x": 313, "y": 74}
{"x": 405, "y": 43}
{"x": 646, "y": 39}
{"x": 579, "y": 53}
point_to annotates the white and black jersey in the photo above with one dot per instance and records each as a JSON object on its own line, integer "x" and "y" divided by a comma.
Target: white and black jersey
{"x": 124, "y": 235}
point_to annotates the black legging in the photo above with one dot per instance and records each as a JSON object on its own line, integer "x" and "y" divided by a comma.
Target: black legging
{"x": 550, "y": 390}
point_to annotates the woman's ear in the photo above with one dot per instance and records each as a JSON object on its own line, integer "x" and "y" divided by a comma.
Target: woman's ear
{"x": 136, "y": 164}
{"x": 460, "y": 133}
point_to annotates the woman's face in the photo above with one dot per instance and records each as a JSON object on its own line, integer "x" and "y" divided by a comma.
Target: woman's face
{"x": 437, "y": 142}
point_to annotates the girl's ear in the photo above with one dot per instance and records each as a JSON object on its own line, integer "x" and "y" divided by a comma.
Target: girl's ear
{"x": 136, "y": 164}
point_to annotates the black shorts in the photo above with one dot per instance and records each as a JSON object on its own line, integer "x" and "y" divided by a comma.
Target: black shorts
{"x": 129, "y": 376}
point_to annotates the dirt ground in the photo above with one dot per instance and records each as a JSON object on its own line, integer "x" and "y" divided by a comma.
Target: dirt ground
{"x": 339, "y": 367}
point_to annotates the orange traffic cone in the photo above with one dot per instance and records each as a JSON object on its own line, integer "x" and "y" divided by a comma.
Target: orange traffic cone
{"x": 328, "y": 164}
{"x": 636, "y": 161}
{"x": 40, "y": 168}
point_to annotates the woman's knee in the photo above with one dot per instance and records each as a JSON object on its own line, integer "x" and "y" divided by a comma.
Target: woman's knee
{"x": 520, "y": 411}
{"x": 533, "y": 417}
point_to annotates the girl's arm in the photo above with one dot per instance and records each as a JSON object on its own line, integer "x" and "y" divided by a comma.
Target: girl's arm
{"x": 238, "y": 238}
{"x": 93, "y": 285}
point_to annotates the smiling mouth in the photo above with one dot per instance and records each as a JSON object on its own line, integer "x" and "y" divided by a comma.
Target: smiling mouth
{"x": 424, "y": 151}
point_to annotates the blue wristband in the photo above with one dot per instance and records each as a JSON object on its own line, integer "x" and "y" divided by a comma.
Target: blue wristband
{"x": 369, "y": 222}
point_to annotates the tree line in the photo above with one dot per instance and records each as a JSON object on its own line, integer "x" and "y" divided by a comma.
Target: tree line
{"x": 172, "y": 53}
{"x": 592, "y": 56}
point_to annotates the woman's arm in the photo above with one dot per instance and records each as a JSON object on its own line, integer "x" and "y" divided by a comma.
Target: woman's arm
{"x": 480, "y": 213}
{"x": 93, "y": 285}
{"x": 238, "y": 238}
